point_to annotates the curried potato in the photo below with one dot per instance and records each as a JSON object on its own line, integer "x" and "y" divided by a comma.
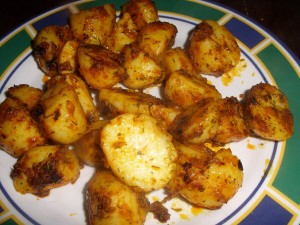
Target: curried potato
{"x": 205, "y": 178}
{"x": 47, "y": 46}
{"x": 110, "y": 201}
{"x": 187, "y": 90}
{"x": 117, "y": 101}
{"x": 67, "y": 60}
{"x": 18, "y": 131}
{"x": 213, "y": 49}
{"x": 139, "y": 151}
{"x": 43, "y": 168}
{"x": 94, "y": 25}
{"x": 63, "y": 119}
{"x": 267, "y": 112}
{"x": 100, "y": 67}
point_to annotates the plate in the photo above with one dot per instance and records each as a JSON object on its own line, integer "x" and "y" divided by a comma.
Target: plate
{"x": 270, "y": 191}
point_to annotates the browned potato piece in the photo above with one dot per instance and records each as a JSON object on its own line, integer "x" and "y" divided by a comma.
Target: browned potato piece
{"x": 92, "y": 26}
{"x": 28, "y": 95}
{"x": 267, "y": 112}
{"x": 187, "y": 90}
{"x": 213, "y": 49}
{"x": 205, "y": 178}
{"x": 47, "y": 46}
{"x": 67, "y": 60}
{"x": 125, "y": 32}
{"x": 109, "y": 201}
{"x": 43, "y": 168}
{"x": 141, "y": 11}
{"x": 63, "y": 120}
{"x": 232, "y": 126}
{"x": 18, "y": 131}
{"x": 197, "y": 124}
{"x": 119, "y": 101}
{"x": 156, "y": 38}
{"x": 142, "y": 71}
{"x": 100, "y": 67}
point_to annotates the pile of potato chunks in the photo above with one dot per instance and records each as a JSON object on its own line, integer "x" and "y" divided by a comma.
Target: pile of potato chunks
{"x": 142, "y": 142}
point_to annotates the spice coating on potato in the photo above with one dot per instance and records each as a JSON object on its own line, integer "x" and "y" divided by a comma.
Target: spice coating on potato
{"x": 110, "y": 201}
{"x": 139, "y": 151}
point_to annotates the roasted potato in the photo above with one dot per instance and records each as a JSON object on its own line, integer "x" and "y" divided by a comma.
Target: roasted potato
{"x": 139, "y": 151}
{"x": 94, "y": 25}
{"x": 47, "y": 46}
{"x": 188, "y": 90}
{"x": 110, "y": 201}
{"x": 142, "y": 71}
{"x": 63, "y": 119}
{"x": 100, "y": 67}
{"x": 205, "y": 178}
{"x": 212, "y": 48}
{"x": 141, "y": 11}
{"x": 267, "y": 112}
{"x": 18, "y": 131}
{"x": 67, "y": 60}
{"x": 43, "y": 168}
{"x": 118, "y": 101}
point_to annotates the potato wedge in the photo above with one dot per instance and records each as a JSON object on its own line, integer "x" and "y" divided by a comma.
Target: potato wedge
{"x": 67, "y": 60}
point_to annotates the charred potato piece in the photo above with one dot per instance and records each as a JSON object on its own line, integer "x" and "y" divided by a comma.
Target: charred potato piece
{"x": 213, "y": 49}
{"x": 110, "y": 201}
{"x": 141, "y": 11}
{"x": 18, "y": 131}
{"x": 117, "y": 101}
{"x": 63, "y": 119}
{"x": 139, "y": 151}
{"x": 67, "y": 60}
{"x": 187, "y": 90}
{"x": 94, "y": 25}
{"x": 100, "y": 67}
{"x": 47, "y": 46}
{"x": 267, "y": 112}
{"x": 43, "y": 168}
{"x": 205, "y": 178}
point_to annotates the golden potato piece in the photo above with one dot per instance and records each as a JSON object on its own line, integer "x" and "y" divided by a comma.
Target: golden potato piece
{"x": 100, "y": 67}
{"x": 67, "y": 60}
{"x": 213, "y": 49}
{"x": 267, "y": 112}
{"x": 94, "y": 25}
{"x": 110, "y": 201}
{"x": 139, "y": 151}
{"x": 43, "y": 168}
{"x": 18, "y": 131}
{"x": 47, "y": 46}
{"x": 205, "y": 178}
{"x": 187, "y": 90}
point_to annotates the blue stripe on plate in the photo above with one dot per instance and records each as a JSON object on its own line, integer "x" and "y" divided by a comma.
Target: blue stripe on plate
{"x": 246, "y": 34}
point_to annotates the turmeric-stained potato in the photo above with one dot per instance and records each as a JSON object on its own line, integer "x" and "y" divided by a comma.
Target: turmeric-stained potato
{"x": 18, "y": 131}
{"x": 141, "y": 11}
{"x": 197, "y": 124}
{"x": 28, "y": 95}
{"x": 63, "y": 118}
{"x": 67, "y": 60}
{"x": 125, "y": 32}
{"x": 267, "y": 112}
{"x": 205, "y": 178}
{"x": 92, "y": 26}
{"x": 156, "y": 38}
{"x": 100, "y": 67}
{"x": 43, "y": 168}
{"x": 232, "y": 126}
{"x": 213, "y": 49}
{"x": 188, "y": 90}
{"x": 139, "y": 151}
{"x": 47, "y": 46}
{"x": 117, "y": 101}
{"x": 142, "y": 71}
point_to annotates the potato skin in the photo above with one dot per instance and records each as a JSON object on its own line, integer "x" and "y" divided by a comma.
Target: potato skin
{"x": 43, "y": 168}
{"x": 213, "y": 49}
{"x": 110, "y": 201}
